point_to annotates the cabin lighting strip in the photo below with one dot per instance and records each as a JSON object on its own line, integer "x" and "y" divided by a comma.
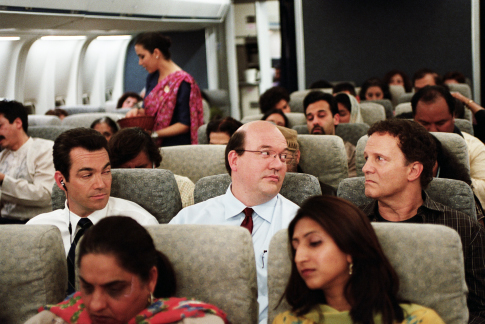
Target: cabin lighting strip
{"x": 114, "y": 37}
{"x": 9, "y": 38}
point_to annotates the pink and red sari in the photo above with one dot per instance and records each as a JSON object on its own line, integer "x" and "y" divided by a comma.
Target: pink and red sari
{"x": 161, "y": 102}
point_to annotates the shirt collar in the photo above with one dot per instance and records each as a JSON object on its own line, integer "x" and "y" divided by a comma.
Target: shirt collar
{"x": 233, "y": 207}
{"x": 95, "y": 217}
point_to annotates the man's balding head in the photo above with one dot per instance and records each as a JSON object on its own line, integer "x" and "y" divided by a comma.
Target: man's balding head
{"x": 256, "y": 177}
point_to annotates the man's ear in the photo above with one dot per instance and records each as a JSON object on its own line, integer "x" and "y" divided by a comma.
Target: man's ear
{"x": 415, "y": 170}
{"x": 58, "y": 177}
{"x": 336, "y": 119}
{"x": 18, "y": 123}
{"x": 297, "y": 156}
{"x": 233, "y": 159}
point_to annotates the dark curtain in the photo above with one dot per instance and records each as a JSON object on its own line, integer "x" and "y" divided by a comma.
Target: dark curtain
{"x": 289, "y": 77}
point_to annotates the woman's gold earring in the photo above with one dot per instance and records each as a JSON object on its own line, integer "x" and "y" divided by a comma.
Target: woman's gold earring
{"x": 150, "y": 299}
{"x": 350, "y": 268}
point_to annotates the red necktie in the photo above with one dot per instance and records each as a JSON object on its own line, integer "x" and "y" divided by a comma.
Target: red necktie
{"x": 248, "y": 220}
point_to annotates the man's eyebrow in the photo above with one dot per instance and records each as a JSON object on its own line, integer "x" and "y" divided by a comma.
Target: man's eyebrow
{"x": 107, "y": 165}
{"x": 92, "y": 169}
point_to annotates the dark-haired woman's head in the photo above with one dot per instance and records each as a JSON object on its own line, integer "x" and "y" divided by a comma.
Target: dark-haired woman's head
{"x": 120, "y": 269}
{"x": 277, "y": 117}
{"x": 151, "y": 48}
{"x": 374, "y": 89}
{"x": 219, "y": 131}
{"x": 330, "y": 230}
{"x": 105, "y": 126}
{"x": 129, "y": 100}
{"x": 398, "y": 78}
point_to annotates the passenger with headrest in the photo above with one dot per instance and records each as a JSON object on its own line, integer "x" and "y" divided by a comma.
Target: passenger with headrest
{"x": 477, "y": 111}
{"x": 454, "y": 77}
{"x": 106, "y": 126}
{"x": 256, "y": 161}
{"x": 26, "y": 167}
{"x": 219, "y": 131}
{"x": 124, "y": 279}
{"x": 425, "y": 77}
{"x": 129, "y": 100}
{"x": 398, "y": 78}
{"x": 321, "y": 111}
{"x": 348, "y": 109}
{"x": 400, "y": 155}
{"x": 277, "y": 117}
{"x": 434, "y": 108}
{"x": 83, "y": 172}
{"x": 275, "y": 98}
{"x": 360, "y": 286}
{"x": 133, "y": 148}
{"x": 293, "y": 158}
{"x": 345, "y": 87}
{"x": 374, "y": 89}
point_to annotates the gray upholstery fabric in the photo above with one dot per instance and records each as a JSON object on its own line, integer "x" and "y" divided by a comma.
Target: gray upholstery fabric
{"x": 47, "y": 132}
{"x": 396, "y": 92}
{"x": 86, "y": 119}
{"x": 214, "y": 264}
{"x": 153, "y": 189}
{"x": 294, "y": 118}
{"x": 220, "y": 99}
{"x": 351, "y": 132}
{"x": 33, "y": 270}
{"x": 464, "y": 125}
{"x": 82, "y": 109}
{"x": 372, "y": 112}
{"x": 43, "y": 120}
{"x": 462, "y": 88}
{"x": 194, "y": 161}
{"x": 201, "y": 134}
{"x": 405, "y": 97}
{"x": 296, "y": 187}
{"x": 404, "y": 107}
{"x": 386, "y": 103}
{"x": 348, "y": 132}
{"x": 324, "y": 157}
{"x": 297, "y": 97}
{"x": 452, "y": 142}
{"x": 453, "y": 193}
{"x": 427, "y": 258}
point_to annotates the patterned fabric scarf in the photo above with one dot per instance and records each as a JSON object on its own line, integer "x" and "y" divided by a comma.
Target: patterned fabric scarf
{"x": 161, "y": 101}
{"x": 162, "y": 311}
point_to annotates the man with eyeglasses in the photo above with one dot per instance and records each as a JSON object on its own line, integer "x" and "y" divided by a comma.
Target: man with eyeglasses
{"x": 256, "y": 161}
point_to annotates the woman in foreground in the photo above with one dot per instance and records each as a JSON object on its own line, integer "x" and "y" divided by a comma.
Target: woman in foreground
{"x": 120, "y": 274}
{"x": 339, "y": 272}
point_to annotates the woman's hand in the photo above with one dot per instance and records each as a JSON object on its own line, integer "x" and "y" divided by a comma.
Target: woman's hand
{"x": 135, "y": 112}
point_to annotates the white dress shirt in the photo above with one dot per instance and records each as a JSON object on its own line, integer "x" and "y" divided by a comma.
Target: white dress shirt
{"x": 114, "y": 207}
{"x": 268, "y": 218}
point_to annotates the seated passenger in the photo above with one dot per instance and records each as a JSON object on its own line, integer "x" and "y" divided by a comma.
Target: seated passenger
{"x": 83, "y": 172}
{"x": 425, "y": 77}
{"x": 277, "y": 117}
{"x": 320, "y": 84}
{"x": 454, "y": 77}
{"x": 374, "y": 89}
{"x": 398, "y": 78}
{"x": 129, "y": 100}
{"x": 345, "y": 87}
{"x": 293, "y": 158}
{"x": 400, "y": 155}
{"x": 477, "y": 111}
{"x": 331, "y": 231}
{"x": 26, "y": 167}
{"x": 134, "y": 148}
{"x": 274, "y": 98}
{"x": 61, "y": 113}
{"x": 322, "y": 116}
{"x": 106, "y": 126}
{"x": 256, "y": 161}
{"x": 124, "y": 279}
{"x": 220, "y": 131}
{"x": 348, "y": 109}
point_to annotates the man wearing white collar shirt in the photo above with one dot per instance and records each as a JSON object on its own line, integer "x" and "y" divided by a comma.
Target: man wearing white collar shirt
{"x": 83, "y": 172}
{"x": 256, "y": 162}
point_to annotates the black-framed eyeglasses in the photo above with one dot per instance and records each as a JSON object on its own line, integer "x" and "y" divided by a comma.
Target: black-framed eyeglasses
{"x": 266, "y": 154}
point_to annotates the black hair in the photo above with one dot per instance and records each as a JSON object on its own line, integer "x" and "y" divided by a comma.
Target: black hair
{"x": 344, "y": 99}
{"x": 408, "y": 86}
{"x": 127, "y": 95}
{"x": 11, "y": 110}
{"x": 344, "y": 86}
{"x": 374, "y": 82}
{"x": 227, "y": 125}
{"x": 276, "y": 111}
{"x": 236, "y": 143}
{"x": 85, "y": 138}
{"x": 314, "y": 96}
{"x": 111, "y": 123}
{"x": 126, "y": 144}
{"x": 421, "y": 73}
{"x": 429, "y": 94}
{"x": 353, "y": 234}
{"x": 455, "y": 75}
{"x": 320, "y": 84}
{"x": 133, "y": 248}
{"x": 271, "y": 97}
{"x": 57, "y": 112}
{"x": 152, "y": 40}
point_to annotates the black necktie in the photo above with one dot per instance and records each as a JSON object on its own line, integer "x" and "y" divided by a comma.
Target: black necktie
{"x": 248, "y": 220}
{"x": 84, "y": 224}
